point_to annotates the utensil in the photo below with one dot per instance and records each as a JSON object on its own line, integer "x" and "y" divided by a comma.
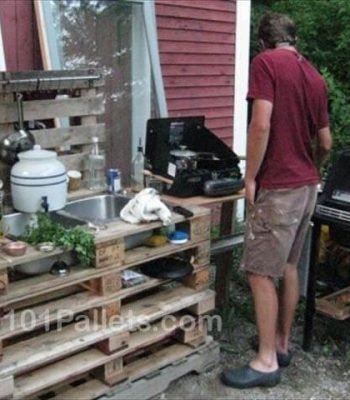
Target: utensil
{"x": 60, "y": 268}
{"x": 167, "y": 268}
{"x": 18, "y": 141}
{"x": 184, "y": 159}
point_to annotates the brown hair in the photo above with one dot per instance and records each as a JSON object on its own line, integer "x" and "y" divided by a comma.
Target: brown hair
{"x": 276, "y": 28}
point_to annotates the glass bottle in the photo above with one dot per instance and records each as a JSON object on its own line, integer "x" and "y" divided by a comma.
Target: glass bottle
{"x": 138, "y": 165}
{"x": 96, "y": 165}
{"x": 1, "y": 209}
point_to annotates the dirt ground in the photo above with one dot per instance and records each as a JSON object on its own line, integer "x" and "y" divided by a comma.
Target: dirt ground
{"x": 322, "y": 373}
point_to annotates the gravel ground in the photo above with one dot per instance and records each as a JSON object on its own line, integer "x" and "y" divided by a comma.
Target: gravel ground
{"x": 322, "y": 373}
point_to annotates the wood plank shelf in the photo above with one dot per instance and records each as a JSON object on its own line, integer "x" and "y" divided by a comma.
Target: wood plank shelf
{"x": 42, "y": 349}
{"x": 38, "y": 285}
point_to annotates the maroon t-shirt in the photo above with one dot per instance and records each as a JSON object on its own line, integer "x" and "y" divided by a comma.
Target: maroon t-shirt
{"x": 300, "y": 108}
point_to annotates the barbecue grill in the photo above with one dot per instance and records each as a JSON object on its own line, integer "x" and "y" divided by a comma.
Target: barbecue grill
{"x": 333, "y": 206}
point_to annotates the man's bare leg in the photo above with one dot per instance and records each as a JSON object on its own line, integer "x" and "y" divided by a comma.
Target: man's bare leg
{"x": 266, "y": 309}
{"x": 288, "y": 301}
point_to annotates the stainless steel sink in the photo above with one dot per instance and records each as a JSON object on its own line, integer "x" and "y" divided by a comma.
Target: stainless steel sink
{"x": 15, "y": 225}
{"x": 103, "y": 209}
{"x": 96, "y": 209}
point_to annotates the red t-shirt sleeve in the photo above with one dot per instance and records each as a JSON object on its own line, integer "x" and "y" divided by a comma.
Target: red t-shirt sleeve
{"x": 261, "y": 82}
{"x": 323, "y": 115}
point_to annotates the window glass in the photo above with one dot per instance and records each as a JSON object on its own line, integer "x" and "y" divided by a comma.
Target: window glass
{"x": 108, "y": 35}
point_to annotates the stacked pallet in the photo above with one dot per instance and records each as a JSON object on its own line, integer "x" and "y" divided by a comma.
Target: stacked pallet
{"x": 68, "y": 103}
{"x": 63, "y": 328}
{"x": 84, "y": 335}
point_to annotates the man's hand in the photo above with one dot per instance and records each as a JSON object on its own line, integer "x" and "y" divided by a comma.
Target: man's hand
{"x": 250, "y": 188}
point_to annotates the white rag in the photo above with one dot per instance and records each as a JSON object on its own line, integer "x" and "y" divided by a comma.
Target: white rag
{"x": 146, "y": 206}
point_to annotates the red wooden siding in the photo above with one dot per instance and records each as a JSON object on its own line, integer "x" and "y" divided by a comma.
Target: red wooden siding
{"x": 19, "y": 34}
{"x": 196, "y": 43}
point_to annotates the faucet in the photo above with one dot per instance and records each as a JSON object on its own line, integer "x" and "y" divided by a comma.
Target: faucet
{"x": 45, "y": 204}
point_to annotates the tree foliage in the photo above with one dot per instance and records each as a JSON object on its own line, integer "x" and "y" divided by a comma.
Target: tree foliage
{"x": 323, "y": 31}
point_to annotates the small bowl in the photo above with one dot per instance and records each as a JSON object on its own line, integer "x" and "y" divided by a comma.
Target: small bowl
{"x": 15, "y": 248}
{"x": 46, "y": 247}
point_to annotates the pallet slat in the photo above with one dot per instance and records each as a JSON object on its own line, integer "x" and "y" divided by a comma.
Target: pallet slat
{"x": 49, "y": 109}
{"x": 34, "y": 352}
{"x": 42, "y": 284}
{"x": 72, "y": 136}
{"x": 68, "y": 368}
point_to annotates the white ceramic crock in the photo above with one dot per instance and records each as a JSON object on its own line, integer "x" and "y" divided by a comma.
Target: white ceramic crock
{"x": 37, "y": 175}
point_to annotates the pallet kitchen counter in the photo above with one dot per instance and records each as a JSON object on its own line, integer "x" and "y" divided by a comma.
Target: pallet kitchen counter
{"x": 37, "y": 356}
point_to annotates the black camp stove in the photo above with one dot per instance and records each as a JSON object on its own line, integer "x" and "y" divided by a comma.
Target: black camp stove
{"x": 196, "y": 161}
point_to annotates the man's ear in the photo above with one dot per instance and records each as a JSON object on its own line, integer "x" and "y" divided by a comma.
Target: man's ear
{"x": 262, "y": 44}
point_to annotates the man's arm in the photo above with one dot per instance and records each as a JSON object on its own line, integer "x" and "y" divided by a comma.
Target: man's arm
{"x": 258, "y": 136}
{"x": 323, "y": 145}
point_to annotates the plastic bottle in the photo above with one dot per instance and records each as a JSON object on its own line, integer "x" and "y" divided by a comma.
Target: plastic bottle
{"x": 138, "y": 165}
{"x": 96, "y": 165}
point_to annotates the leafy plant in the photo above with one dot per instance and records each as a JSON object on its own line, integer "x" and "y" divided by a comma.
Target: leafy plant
{"x": 76, "y": 239}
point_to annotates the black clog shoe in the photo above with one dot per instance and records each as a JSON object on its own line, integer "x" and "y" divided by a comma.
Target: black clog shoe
{"x": 247, "y": 377}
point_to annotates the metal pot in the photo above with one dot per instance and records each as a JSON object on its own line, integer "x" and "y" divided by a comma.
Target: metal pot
{"x": 18, "y": 141}
{"x": 185, "y": 160}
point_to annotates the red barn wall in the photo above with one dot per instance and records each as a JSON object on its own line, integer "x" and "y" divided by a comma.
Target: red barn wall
{"x": 20, "y": 36}
{"x": 197, "y": 53}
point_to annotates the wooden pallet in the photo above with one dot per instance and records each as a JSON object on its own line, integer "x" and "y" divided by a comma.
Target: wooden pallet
{"x": 60, "y": 355}
{"x": 40, "y": 301}
{"x": 335, "y": 305}
{"x": 83, "y": 102}
{"x": 159, "y": 371}
{"x": 111, "y": 243}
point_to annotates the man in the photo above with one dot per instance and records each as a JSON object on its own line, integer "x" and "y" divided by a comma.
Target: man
{"x": 288, "y": 138}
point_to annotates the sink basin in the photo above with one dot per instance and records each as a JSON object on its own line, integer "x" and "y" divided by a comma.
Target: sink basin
{"x": 15, "y": 224}
{"x": 103, "y": 209}
{"x": 97, "y": 209}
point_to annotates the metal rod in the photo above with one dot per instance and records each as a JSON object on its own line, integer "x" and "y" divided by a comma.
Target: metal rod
{"x": 39, "y": 80}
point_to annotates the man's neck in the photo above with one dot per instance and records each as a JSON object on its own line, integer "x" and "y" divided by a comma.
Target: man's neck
{"x": 286, "y": 46}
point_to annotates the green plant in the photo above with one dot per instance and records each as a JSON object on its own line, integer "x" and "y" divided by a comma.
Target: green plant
{"x": 77, "y": 239}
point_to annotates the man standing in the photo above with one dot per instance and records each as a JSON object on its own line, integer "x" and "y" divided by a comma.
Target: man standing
{"x": 288, "y": 138}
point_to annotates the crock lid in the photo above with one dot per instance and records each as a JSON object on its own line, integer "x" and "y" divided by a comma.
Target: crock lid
{"x": 36, "y": 154}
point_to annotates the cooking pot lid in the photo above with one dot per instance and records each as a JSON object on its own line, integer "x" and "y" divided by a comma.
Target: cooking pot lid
{"x": 183, "y": 153}
{"x": 36, "y": 154}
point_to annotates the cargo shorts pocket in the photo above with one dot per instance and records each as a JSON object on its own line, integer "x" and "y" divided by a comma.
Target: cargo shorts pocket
{"x": 267, "y": 218}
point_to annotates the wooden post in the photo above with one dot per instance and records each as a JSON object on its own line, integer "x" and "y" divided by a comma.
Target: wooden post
{"x": 105, "y": 285}
{"x": 7, "y": 387}
{"x": 106, "y": 313}
{"x": 3, "y": 282}
{"x": 112, "y": 372}
{"x": 200, "y": 229}
{"x": 198, "y": 280}
{"x": 194, "y": 334}
{"x": 203, "y": 306}
{"x": 110, "y": 253}
{"x": 114, "y": 343}
{"x": 224, "y": 261}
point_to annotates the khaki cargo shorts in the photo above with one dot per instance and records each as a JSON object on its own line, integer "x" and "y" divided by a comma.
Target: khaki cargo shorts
{"x": 276, "y": 229}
